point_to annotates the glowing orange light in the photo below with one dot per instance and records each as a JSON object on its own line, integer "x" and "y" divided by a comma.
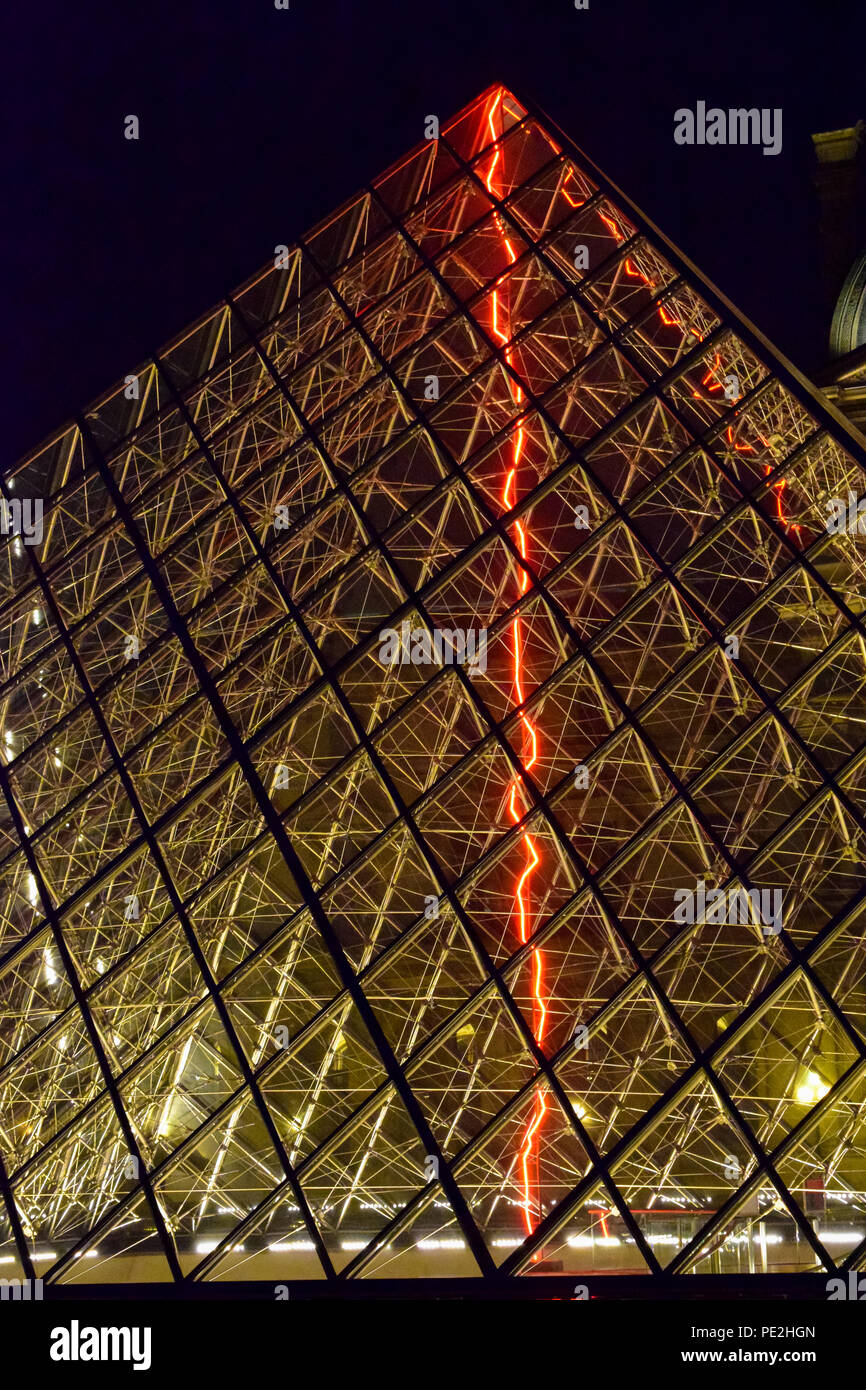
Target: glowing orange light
{"x": 710, "y": 381}
{"x": 602, "y": 1215}
{"x": 638, "y": 274}
{"x": 611, "y": 226}
{"x": 777, "y": 488}
{"x": 522, "y": 903}
{"x": 738, "y": 448}
{"x": 570, "y": 174}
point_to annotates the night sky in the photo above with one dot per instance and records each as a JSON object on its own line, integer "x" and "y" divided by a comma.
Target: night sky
{"x": 255, "y": 123}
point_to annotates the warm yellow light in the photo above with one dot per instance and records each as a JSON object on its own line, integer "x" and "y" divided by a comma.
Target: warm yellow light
{"x": 810, "y": 1091}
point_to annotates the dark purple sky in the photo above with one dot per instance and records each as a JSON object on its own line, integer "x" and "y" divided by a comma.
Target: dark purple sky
{"x": 256, "y": 122}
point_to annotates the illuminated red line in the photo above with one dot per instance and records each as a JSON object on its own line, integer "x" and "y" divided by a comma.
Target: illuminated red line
{"x": 522, "y": 904}
{"x": 708, "y": 381}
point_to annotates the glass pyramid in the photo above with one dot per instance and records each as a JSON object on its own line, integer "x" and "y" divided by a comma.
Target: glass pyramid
{"x": 434, "y": 768}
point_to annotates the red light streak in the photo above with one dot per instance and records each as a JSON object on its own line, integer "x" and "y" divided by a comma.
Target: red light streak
{"x": 709, "y": 381}
{"x": 738, "y": 448}
{"x": 631, "y": 269}
{"x": 522, "y": 904}
{"x": 776, "y": 488}
{"x": 612, "y": 227}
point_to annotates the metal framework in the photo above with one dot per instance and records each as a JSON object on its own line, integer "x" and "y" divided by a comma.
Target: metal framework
{"x": 316, "y": 965}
